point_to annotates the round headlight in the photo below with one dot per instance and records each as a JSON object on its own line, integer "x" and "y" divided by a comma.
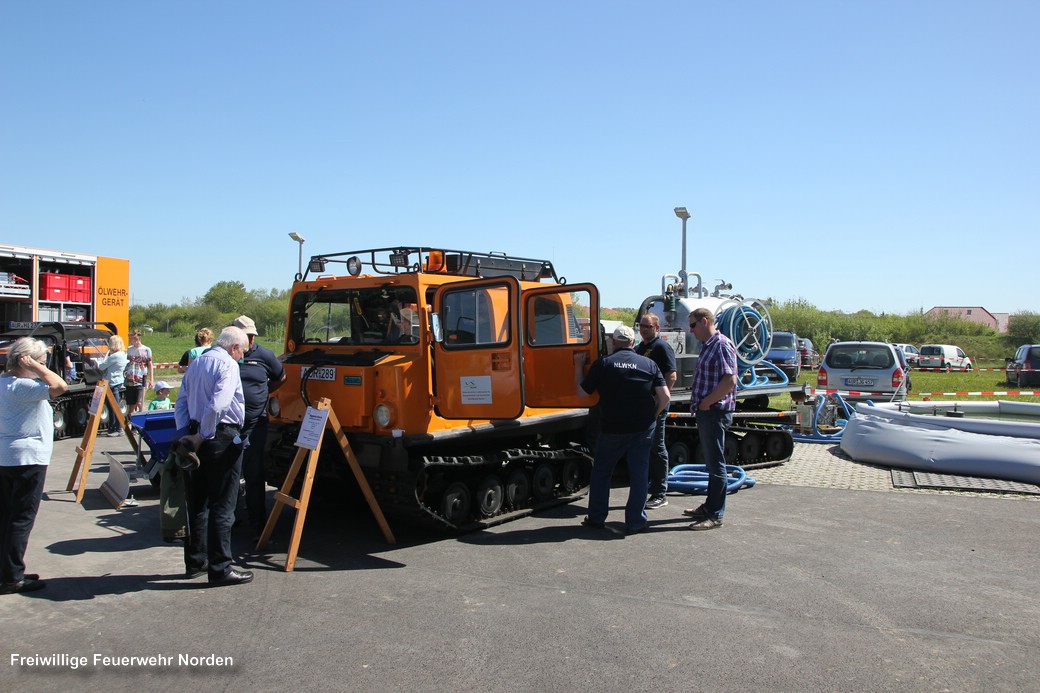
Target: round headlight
{"x": 273, "y": 408}
{"x": 384, "y": 415}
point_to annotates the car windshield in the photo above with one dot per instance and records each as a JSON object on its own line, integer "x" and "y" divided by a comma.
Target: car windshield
{"x": 854, "y": 356}
{"x": 782, "y": 341}
{"x": 376, "y": 315}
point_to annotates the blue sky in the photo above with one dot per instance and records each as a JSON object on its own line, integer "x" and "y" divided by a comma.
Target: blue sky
{"x": 879, "y": 155}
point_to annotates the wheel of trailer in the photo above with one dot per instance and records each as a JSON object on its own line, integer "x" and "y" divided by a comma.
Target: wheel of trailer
{"x": 543, "y": 482}
{"x": 678, "y": 453}
{"x": 60, "y": 421}
{"x": 570, "y": 476}
{"x": 456, "y": 502}
{"x": 102, "y": 414}
{"x": 730, "y": 448}
{"x": 778, "y": 446}
{"x": 81, "y": 414}
{"x": 489, "y": 495}
{"x": 751, "y": 447}
{"x": 518, "y": 489}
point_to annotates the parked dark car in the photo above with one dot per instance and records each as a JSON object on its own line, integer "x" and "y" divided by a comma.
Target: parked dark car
{"x": 1024, "y": 367}
{"x": 783, "y": 353}
{"x": 810, "y": 357}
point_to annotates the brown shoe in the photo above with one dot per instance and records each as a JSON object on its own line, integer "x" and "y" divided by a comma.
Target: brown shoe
{"x": 698, "y": 513}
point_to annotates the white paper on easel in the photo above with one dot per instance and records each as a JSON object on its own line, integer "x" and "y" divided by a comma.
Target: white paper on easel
{"x": 95, "y": 401}
{"x": 311, "y": 428}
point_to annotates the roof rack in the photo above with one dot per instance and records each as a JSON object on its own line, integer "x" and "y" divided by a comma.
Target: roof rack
{"x": 424, "y": 260}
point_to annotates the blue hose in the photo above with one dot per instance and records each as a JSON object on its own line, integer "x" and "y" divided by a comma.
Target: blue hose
{"x": 748, "y": 331}
{"x": 693, "y": 479}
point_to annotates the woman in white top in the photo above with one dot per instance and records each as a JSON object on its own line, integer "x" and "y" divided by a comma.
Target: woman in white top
{"x": 26, "y": 443}
{"x": 112, "y": 368}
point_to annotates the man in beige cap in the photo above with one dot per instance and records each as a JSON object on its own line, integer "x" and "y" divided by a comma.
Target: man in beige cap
{"x": 262, "y": 374}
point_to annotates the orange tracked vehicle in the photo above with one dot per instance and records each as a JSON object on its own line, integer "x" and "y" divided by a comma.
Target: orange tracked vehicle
{"x": 452, "y": 374}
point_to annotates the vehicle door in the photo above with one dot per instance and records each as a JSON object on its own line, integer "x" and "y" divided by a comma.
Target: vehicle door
{"x": 560, "y": 323}
{"x": 486, "y": 366}
{"x": 476, "y": 349}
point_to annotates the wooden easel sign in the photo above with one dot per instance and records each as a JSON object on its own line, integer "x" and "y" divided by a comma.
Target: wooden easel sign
{"x": 85, "y": 450}
{"x": 312, "y": 430}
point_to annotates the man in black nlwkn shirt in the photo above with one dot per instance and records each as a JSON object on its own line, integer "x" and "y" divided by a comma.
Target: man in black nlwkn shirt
{"x": 632, "y": 394}
{"x": 262, "y": 374}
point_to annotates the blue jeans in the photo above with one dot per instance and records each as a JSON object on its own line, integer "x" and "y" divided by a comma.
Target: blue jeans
{"x": 113, "y": 424}
{"x": 711, "y": 429}
{"x": 212, "y": 493}
{"x": 659, "y": 459}
{"x": 610, "y": 447}
{"x": 255, "y": 433}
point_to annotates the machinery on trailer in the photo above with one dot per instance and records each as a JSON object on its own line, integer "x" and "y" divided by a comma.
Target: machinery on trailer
{"x": 73, "y": 302}
{"x": 57, "y": 286}
{"x": 758, "y": 435}
{"x": 73, "y": 350}
{"x": 452, "y": 374}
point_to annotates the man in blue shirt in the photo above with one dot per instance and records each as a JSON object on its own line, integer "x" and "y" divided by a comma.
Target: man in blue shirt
{"x": 712, "y": 400}
{"x": 211, "y": 408}
{"x": 661, "y": 353}
{"x": 262, "y": 374}
{"x": 632, "y": 393}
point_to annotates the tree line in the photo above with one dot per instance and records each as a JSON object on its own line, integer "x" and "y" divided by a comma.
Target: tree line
{"x": 226, "y": 300}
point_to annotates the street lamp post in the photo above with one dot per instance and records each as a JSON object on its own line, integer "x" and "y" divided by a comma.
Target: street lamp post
{"x": 684, "y": 215}
{"x": 300, "y": 239}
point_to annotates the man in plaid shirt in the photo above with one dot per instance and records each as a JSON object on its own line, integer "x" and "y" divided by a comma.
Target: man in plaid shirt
{"x": 712, "y": 400}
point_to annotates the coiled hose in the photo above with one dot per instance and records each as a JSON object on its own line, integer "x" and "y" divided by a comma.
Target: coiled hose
{"x": 750, "y": 327}
{"x": 693, "y": 479}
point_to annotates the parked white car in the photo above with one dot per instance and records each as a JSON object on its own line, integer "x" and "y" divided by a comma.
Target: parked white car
{"x": 944, "y": 356}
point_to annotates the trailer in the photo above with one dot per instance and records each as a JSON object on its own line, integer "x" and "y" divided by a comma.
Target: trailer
{"x": 39, "y": 286}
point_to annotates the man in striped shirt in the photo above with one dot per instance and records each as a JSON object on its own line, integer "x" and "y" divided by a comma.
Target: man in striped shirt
{"x": 712, "y": 400}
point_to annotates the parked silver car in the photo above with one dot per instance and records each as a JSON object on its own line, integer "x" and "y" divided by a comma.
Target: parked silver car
{"x": 872, "y": 370}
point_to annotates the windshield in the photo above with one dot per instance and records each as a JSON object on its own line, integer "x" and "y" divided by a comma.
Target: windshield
{"x": 783, "y": 341}
{"x": 376, "y": 315}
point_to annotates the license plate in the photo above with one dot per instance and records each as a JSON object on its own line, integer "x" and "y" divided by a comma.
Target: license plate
{"x": 860, "y": 382}
{"x": 322, "y": 373}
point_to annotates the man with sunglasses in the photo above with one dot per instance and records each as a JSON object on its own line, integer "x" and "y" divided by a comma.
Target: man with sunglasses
{"x": 712, "y": 400}
{"x": 660, "y": 352}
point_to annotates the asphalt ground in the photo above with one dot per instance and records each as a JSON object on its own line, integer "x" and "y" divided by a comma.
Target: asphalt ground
{"x": 822, "y": 579}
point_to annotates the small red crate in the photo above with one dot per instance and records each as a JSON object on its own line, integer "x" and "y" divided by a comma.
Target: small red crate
{"x": 54, "y": 281}
{"x": 79, "y": 295}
